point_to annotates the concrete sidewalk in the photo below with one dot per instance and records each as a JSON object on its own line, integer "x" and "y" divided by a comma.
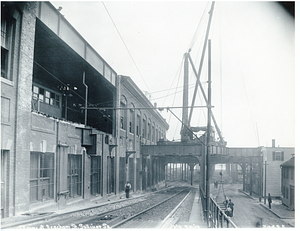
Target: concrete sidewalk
{"x": 278, "y": 209}
{"x": 282, "y": 212}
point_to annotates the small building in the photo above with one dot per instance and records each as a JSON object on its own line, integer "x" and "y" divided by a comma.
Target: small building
{"x": 288, "y": 183}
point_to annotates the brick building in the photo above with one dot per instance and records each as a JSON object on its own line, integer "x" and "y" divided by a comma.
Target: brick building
{"x": 58, "y": 144}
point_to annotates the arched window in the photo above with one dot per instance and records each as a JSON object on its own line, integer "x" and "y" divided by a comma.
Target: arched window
{"x": 149, "y": 129}
{"x": 144, "y": 126}
{"x": 153, "y": 132}
{"x": 123, "y": 113}
{"x": 138, "y": 123}
{"x": 131, "y": 118}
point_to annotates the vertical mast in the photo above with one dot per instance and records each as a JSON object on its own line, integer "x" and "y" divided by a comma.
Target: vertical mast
{"x": 208, "y": 134}
{"x": 184, "y": 131}
{"x": 202, "y": 60}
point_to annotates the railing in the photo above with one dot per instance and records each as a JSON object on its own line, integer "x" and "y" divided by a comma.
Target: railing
{"x": 216, "y": 217}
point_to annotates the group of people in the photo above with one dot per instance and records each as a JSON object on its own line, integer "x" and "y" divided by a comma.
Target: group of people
{"x": 228, "y": 207}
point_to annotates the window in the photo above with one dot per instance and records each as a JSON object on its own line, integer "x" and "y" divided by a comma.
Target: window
{"x": 292, "y": 174}
{"x": 138, "y": 125}
{"x": 149, "y": 129}
{"x": 153, "y": 132}
{"x": 40, "y": 94}
{"x": 278, "y": 156}
{"x": 131, "y": 119}
{"x": 41, "y": 176}
{"x": 74, "y": 175}
{"x": 144, "y": 128}
{"x": 7, "y": 28}
{"x": 122, "y": 122}
{"x": 95, "y": 175}
{"x": 123, "y": 103}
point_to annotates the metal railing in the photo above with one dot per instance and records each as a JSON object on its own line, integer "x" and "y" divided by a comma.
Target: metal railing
{"x": 216, "y": 217}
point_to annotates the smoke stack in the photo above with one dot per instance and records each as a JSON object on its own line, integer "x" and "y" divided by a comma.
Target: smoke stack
{"x": 273, "y": 143}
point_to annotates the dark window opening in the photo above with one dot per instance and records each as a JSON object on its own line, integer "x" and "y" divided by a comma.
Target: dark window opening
{"x": 7, "y": 42}
{"x": 74, "y": 175}
{"x": 41, "y": 176}
{"x": 95, "y": 175}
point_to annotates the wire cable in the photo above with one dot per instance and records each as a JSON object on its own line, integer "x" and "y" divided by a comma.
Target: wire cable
{"x": 126, "y": 46}
{"x": 243, "y": 81}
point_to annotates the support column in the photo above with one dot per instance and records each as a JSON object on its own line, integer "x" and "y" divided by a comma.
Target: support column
{"x": 192, "y": 165}
{"x": 244, "y": 176}
{"x": 251, "y": 180}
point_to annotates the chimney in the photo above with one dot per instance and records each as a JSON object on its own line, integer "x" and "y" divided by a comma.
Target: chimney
{"x": 273, "y": 143}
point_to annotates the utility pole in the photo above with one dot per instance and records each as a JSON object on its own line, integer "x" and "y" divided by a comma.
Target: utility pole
{"x": 265, "y": 193}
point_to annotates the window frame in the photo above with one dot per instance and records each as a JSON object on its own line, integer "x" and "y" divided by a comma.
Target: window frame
{"x": 7, "y": 44}
{"x": 41, "y": 167}
{"x": 39, "y": 95}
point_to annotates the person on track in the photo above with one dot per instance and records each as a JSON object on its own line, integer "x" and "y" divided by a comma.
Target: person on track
{"x": 127, "y": 189}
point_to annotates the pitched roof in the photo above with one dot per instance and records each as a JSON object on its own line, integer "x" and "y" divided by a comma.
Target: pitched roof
{"x": 289, "y": 163}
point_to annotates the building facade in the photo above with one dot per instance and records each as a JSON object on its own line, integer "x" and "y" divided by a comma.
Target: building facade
{"x": 288, "y": 183}
{"x": 58, "y": 143}
{"x": 273, "y": 157}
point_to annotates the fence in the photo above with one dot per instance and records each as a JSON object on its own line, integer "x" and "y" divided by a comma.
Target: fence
{"x": 216, "y": 216}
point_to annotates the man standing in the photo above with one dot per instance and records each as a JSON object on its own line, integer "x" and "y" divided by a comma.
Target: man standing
{"x": 127, "y": 188}
{"x": 230, "y": 205}
{"x": 269, "y": 200}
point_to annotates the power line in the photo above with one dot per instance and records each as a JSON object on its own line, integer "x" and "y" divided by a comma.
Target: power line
{"x": 125, "y": 45}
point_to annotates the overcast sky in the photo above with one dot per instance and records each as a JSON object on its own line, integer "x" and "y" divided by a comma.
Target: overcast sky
{"x": 253, "y": 66}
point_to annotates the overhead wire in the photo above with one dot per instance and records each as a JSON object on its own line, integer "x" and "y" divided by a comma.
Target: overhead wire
{"x": 243, "y": 81}
{"x": 175, "y": 96}
{"x": 177, "y": 74}
{"x": 125, "y": 45}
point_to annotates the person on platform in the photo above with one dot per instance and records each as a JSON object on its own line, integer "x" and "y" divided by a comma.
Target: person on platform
{"x": 230, "y": 205}
{"x": 269, "y": 200}
{"x": 226, "y": 202}
{"x": 127, "y": 189}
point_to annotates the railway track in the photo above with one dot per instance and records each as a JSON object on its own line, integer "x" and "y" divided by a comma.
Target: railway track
{"x": 119, "y": 214}
{"x": 159, "y": 215}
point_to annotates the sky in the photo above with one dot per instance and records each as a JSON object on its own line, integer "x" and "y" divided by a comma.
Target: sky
{"x": 253, "y": 60}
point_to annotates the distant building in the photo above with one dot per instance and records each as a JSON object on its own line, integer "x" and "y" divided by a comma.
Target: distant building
{"x": 288, "y": 183}
{"x": 273, "y": 157}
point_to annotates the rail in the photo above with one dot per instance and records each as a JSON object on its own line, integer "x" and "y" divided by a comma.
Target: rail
{"x": 169, "y": 218}
{"x": 146, "y": 210}
{"x": 217, "y": 217}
